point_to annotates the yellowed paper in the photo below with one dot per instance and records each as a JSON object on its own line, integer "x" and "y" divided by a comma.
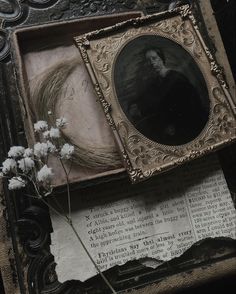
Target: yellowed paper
{"x": 160, "y": 219}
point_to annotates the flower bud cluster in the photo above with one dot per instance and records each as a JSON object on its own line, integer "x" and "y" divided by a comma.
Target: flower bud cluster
{"x": 30, "y": 165}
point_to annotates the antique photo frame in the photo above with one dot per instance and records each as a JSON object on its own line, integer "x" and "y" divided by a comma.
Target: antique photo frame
{"x": 173, "y": 133}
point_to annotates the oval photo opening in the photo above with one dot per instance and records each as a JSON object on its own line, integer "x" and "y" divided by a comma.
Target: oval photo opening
{"x": 161, "y": 90}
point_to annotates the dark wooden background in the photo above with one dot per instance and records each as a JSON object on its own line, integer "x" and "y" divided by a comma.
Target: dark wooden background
{"x": 29, "y": 220}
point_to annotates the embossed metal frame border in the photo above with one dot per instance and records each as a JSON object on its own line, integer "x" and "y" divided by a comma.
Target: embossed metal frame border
{"x": 221, "y": 127}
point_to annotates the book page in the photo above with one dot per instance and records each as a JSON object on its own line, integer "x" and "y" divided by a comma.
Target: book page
{"x": 160, "y": 218}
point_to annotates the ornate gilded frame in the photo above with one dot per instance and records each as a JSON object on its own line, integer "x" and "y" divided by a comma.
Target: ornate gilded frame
{"x": 144, "y": 157}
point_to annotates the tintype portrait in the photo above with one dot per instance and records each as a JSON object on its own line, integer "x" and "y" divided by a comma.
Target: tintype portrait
{"x": 161, "y": 90}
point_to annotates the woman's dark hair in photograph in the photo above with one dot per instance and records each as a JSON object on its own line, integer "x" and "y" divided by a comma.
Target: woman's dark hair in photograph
{"x": 159, "y": 52}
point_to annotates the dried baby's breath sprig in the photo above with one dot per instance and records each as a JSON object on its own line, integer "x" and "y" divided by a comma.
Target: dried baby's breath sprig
{"x": 54, "y": 133}
{"x": 16, "y": 183}
{"x": 9, "y": 165}
{"x": 40, "y": 126}
{"x": 61, "y": 122}
{"x": 45, "y": 174}
{"x": 67, "y": 151}
{"x": 26, "y": 164}
{"x": 30, "y": 167}
{"x": 16, "y": 151}
{"x": 28, "y": 152}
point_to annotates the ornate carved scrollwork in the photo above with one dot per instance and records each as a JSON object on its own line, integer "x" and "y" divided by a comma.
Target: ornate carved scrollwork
{"x": 43, "y": 278}
{"x": 34, "y": 225}
{"x": 90, "y": 6}
{"x": 9, "y": 9}
{"x": 41, "y": 3}
{"x": 16, "y": 12}
{"x": 4, "y": 48}
{"x": 34, "y": 228}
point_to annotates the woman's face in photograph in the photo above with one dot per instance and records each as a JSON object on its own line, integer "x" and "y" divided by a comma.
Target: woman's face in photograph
{"x": 154, "y": 60}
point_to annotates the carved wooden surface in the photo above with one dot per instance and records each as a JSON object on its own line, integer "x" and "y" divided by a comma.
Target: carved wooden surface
{"x": 32, "y": 265}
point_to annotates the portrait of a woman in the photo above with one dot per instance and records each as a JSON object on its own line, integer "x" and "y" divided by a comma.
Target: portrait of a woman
{"x": 162, "y": 91}
{"x": 168, "y": 109}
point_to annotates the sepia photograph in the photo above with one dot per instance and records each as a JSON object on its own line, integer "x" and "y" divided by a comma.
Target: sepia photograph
{"x": 161, "y": 90}
{"x": 163, "y": 93}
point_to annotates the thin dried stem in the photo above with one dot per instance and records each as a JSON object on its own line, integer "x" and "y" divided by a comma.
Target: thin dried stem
{"x": 68, "y": 188}
{"x": 92, "y": 260}
{"x": 70, "y": 223}
{"x": 54, "y": 210}
{"x": 59, "y": 205}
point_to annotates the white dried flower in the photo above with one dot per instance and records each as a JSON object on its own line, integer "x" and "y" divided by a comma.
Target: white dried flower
{"x": 26, "y": 164}
{"x": 16, "y": 183}
{"x": 46, "y": 134}
{"x": 28, "y": 152}
{"x": 41, "y": 149}
{"x": 9, "y": 165}
{"x": 16, "y": 151}
{"x": 54, "y": 133}
{"x": 66, "y": 151}
{"x": 40, "y": 126}
{"x": 61, "y": 122}
{"x": 45, "y": 174}
{"x": 51, "y": 147}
